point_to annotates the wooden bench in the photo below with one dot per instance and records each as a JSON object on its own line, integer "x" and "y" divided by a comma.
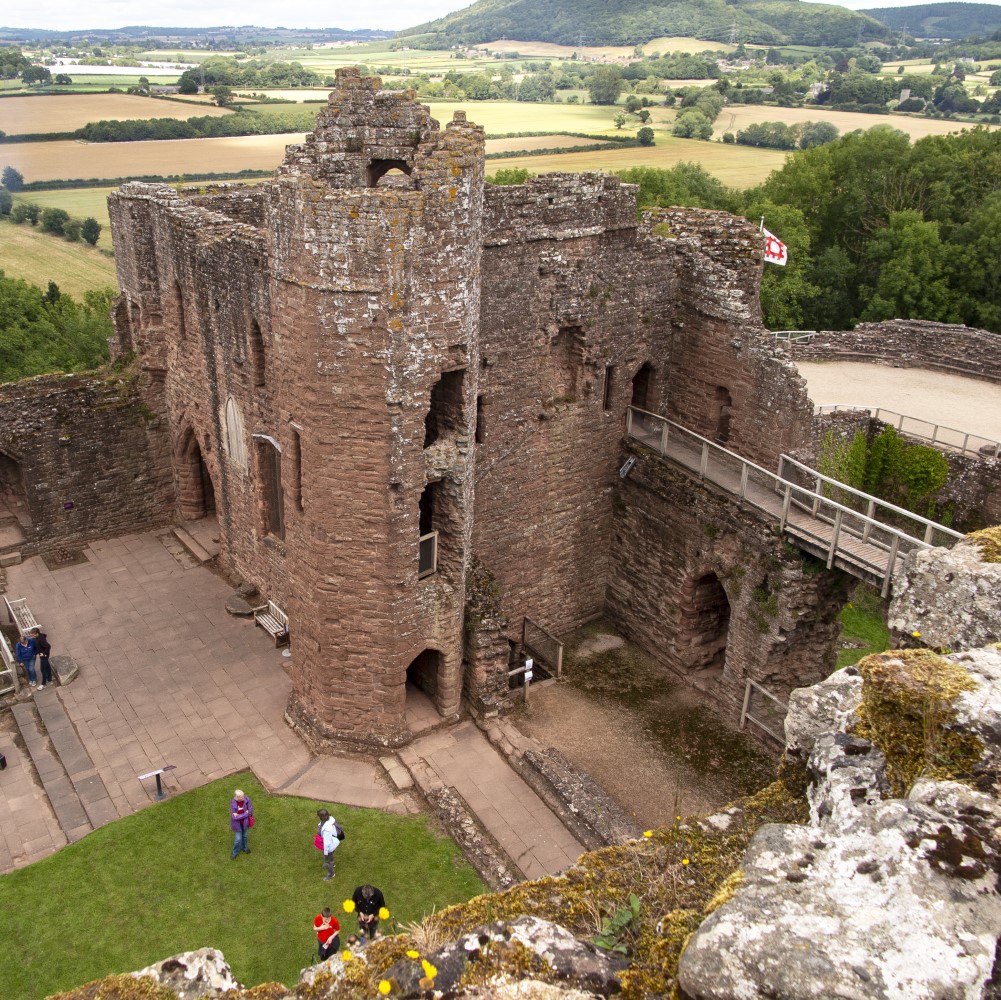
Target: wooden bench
{"x": 8, "y": 668}
{"x": 274, "y": 621}
{"x": 20, "y": 615}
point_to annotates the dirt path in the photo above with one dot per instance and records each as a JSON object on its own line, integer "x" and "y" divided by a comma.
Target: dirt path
{"x": 965, "y": 404}
{"x": 650, "y": 742}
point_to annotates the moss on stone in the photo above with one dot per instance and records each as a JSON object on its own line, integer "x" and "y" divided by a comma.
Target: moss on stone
{"x": 123, "y": 987}
{"x": 989, "y": 542}
{"x": 908, "y": 699}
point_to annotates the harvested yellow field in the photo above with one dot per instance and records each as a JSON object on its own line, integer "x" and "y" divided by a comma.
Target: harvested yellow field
{"x": 37, "y": 257}
{"x": 735, "y": 117}
{"x": 661, "y": 45}
{"x": 536, "y": 142}
{"x": 736, "y": 166}
{"x": 69, "y": 160}
{"x": 67, "y": 112}
{"x": 297, "y": 94}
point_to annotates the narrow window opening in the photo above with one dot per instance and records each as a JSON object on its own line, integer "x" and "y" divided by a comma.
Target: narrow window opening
{"x": 444, "y": 416}
{"x": 427, "y": 563}
{"x": 297, "y": 468}
{"x": 480, "y": 426}
{"x": 606, "y": 395}
{"x": 182, "y": 332}
{"x": 724, "y": 411}
{"x": 257, "y": 352}
{"x": 269, "y": 461}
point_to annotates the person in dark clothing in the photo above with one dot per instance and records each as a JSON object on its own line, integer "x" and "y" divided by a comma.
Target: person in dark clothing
{"x": 44, "y": 649}
{"x": 368, "y": 902}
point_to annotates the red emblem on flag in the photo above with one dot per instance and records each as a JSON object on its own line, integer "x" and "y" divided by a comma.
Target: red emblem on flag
{"x": 775, "y": 249}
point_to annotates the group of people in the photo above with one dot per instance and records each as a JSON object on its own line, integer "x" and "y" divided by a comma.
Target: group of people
{"x": 368, "y": 901}
{"x": 32, "y": 646}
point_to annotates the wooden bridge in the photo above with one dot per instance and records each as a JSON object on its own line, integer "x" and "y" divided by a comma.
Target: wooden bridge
{"x": 858, "y": 533}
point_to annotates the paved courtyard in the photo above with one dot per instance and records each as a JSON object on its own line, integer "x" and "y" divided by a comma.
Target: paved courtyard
{"x": 166, "y": 677}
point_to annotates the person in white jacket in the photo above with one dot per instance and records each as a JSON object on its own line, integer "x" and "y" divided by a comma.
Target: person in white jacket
{"x": 328, "y": 831}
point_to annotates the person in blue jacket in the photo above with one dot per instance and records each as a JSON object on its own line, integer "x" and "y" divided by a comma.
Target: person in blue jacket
{"x": 241, "y": 819}
{"x": 25, "y": 652}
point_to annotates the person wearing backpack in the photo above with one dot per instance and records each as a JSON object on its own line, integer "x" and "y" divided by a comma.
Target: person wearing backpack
{"x": 328, "y": 832}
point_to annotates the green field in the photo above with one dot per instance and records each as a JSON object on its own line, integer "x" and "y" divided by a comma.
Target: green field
{"x": 80, "y": 203}
{"x": 37, "y": 257}
{"x": 161, "y": 881}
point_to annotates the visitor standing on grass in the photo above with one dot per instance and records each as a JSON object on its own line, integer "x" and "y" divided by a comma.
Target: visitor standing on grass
{"x": 327, "y": 933}
{"x": 368, "y": 901}
{"x": 44, "y": 649}
{"x": 328, "y": 831}
{"x": 241, "y": 819}
{"x": 25, "y": 652}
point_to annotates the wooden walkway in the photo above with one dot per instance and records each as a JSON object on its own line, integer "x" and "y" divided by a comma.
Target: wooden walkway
{"x": 820, "y": 518}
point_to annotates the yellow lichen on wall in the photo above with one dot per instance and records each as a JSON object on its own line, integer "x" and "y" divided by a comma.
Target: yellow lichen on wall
{"x": 908, "y": 698}
{"x": 989, "y": 542}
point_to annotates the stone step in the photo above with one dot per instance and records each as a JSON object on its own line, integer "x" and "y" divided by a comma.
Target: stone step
{"x": 192, "y": 546}
{"x": 75, "y": 790}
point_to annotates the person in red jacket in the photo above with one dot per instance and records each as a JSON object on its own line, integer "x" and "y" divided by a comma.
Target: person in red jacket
{"x": 327, "y": 933}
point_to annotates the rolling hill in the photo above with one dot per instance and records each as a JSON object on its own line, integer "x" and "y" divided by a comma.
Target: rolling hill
{"x": 941, "y": 20}
{"x": 635, "y": 22}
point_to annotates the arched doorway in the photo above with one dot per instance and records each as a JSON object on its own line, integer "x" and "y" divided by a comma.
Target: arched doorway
{"x": 424, "y": 690}
{"x": 195, "y": 491}
{"x": 703, "y": 625}
{"x": 642, "y": 384}
{"x": 13, "y": 503}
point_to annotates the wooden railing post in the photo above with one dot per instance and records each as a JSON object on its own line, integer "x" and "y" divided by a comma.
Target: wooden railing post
{"x": 705, "y": 460}
{"x": 786, "y": 500}
{"x": 834, "y": 538}
{"x": 891, "y": 560}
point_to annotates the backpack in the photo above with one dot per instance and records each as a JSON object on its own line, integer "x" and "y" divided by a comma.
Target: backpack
{"x": 338, "y": 830}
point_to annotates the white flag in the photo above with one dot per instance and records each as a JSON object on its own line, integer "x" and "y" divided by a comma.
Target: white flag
{"x": 775, "y": 249}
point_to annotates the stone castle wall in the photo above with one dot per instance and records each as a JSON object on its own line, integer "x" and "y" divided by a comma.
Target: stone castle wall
{"x": 89, "y": 458}
{"x": 909, "y": 343}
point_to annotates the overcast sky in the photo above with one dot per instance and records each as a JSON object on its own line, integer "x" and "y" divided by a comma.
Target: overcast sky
{"x": 387, "y": 14}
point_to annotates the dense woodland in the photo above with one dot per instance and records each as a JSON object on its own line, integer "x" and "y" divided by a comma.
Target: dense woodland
{"x": 633, "y": 22}
{"x": 45, "y": 331}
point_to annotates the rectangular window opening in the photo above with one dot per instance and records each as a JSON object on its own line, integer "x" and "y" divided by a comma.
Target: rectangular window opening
{"x": 478, "y": 438}
{"x": 606, "y": 397}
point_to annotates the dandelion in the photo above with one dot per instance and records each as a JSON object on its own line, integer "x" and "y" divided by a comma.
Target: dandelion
{"x": 684, "y": 861}
{"x": 917, "y": 635}
{"x": 349, "y": 905}
{"x": 383, "y": 913}
{"x": 384, "y": 986}
{"x": 413, "y": 954}
{"x": 648, "y": 833}
{"x": 429, "y": 970}
{"x": 678, "y": 818}
{"x": 346, "y": 955}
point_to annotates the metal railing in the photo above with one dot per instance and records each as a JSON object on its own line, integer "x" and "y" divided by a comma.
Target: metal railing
{"x": 936, "y": 434}
{"x": 793, "y": 335}
{"x": 745, "y": 712}
{"x": 834, "y": 531}
{"x": 427, "y": 559}
{"x": 8, "y": 673}
{"x": 544, "y": 646}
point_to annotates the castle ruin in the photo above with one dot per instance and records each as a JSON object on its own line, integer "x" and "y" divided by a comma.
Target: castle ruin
{"x": 402, "y": 393}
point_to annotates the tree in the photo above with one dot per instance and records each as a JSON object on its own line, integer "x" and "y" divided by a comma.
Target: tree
{"x": 692, "y": 124}
{"x": 645, "y": 136}
{"x": 63, "y": 80}
{"x": 36, "y": 74}
{"x": 605, "y": 85}
{"x": 817, "y": 134}
{"x": 54, "y": 221}
{"x": 91, "y": 230}
{"x": 223, "y": 95}
{"x": 6, "y": 202}
{"x": 72, "y": 229}
{"x": 633, "y": 104}
{"x": 12, "y": 179}
{"x": 643, "y": 115}
{"x": 620, "y": 120}
{"x": 187, "y": 84}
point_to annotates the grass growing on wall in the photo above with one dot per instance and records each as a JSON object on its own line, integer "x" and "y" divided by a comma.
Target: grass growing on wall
{"x": 161, "y": 881}
{"x": 863, "y": 626}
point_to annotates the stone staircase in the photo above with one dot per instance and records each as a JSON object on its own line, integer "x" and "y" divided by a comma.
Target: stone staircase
{"x": 75, "y": 790}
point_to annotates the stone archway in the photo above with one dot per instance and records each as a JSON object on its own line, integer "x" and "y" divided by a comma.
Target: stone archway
{"x": 703, "y": 626}
{"x": 195, "y": 489}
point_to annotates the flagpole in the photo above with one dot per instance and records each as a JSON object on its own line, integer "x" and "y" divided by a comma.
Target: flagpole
{"x": 761, "y": 225}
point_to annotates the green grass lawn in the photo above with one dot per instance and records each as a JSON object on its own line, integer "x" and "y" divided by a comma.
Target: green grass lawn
{"x": 161, "y": 881}
{"x": 862, "y": 621}
{"x": 79, "y": 202}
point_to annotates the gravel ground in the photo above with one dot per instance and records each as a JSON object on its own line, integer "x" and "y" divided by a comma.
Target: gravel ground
{"x": 965, "y": 404}
{"x": 650, "y": 741}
